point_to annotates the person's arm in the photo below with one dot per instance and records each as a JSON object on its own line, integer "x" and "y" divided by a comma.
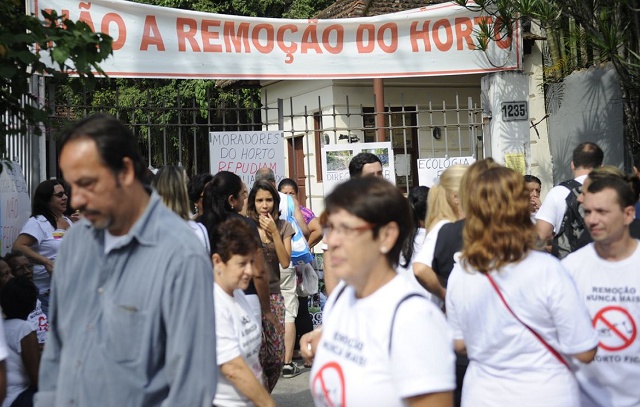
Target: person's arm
{"x": 23, "y": 244}
{"x": 242, "y": 378}
{"x": 31, "y": 357}
{"x": 544, "y": 229}
{"x": 429, "y": 280}
{"x": 459, "y": 346}
{"x": 261, "y": 282}
{"x": 309, "y": 344}
{"x": 586, "y": 357}
{"x": 315, "y": 232}
{"x": 443, "y": 399}
{"x": 187, "y": 312}
{"x": 297, "y": 214}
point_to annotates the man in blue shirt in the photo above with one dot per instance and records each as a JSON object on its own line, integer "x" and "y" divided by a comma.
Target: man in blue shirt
{"x": 132, "y": 318}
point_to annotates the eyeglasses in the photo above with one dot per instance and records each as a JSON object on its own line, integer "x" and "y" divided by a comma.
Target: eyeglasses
{"x": 24, "y": 267}
{"x": 347, "y": 231}
{"x": 60, "y": 194}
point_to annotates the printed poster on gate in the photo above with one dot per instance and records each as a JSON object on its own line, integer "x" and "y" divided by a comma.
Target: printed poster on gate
{"x": 15, "y": 205}
{"x": 160, "y": 42}
{"x": 245, "y": 152}
{"x": 336, "y": 158}
{"x": 430, "y": 169}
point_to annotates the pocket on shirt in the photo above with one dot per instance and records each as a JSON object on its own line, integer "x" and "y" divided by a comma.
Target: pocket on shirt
{"x": 124, "y": 326}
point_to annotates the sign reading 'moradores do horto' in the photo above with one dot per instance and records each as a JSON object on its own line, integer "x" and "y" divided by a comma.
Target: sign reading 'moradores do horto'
{"x": 245, "y": 152}
{"x": 160, "y": 42}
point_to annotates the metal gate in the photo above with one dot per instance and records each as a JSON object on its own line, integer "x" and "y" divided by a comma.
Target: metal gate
{"x": 177, "y": 132}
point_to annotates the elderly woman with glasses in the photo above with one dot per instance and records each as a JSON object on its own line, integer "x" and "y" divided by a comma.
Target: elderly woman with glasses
{"x": 41, "y": 236}
{"x": 382, "y": 342}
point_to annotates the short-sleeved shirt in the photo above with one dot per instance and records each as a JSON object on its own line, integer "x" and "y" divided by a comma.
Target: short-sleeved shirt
{"x": 238, "y": 333}
{"x": 48, "y": 240}
{"x": 286, "y": 230}
{"x": 611, "y": 292}
{"x": 17, "y": 380}
{"x": 508, "y": 365}
{"x": 381, "y": 349}
{"x": 307, "y": 214}
{"x": 554, "y": 205}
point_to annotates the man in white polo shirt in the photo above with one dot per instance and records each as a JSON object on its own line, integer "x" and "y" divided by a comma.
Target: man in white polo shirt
{"x": 607, "y": 274}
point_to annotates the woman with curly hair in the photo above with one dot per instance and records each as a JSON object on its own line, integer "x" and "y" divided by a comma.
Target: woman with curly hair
{"x": 512, "y": 308}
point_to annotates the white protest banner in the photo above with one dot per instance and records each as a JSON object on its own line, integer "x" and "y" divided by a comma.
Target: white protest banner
{"x": 160, "y": 42}
{"x": 336, "y": 158}
{"x": 15, "y": 205}
{"x": 245, "y": 152}
{"x": 429, "y": 169}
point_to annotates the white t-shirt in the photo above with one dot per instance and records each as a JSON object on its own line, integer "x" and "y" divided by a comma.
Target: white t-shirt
{"x": 554, "y": 205}
{"x": 39, "y": 322}
{"x": 238, "y": 333}
{"x": 508, "y": 365}
{"x": 201, "y": 231}
{"x": 611, "y": 291}
{"x": 47, "y": 244}
{"x": 355, "y": 365}
{"x": 17, "y": 379}
{"x": 425, "y": 255}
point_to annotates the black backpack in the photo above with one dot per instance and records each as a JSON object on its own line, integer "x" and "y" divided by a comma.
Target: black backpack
{"x": 573, "y": 233}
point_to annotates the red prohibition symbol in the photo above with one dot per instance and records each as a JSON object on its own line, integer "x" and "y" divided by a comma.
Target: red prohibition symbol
{"x": 621, "y": 324}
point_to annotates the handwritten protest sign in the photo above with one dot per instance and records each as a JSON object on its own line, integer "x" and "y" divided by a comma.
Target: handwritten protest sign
{"x": 15, "y": 206}
{"x": 430, "y": 169}
{"x": 245, "y": 152}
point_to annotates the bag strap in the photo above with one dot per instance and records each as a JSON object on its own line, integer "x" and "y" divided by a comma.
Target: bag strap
{"x": 546, "y": 345}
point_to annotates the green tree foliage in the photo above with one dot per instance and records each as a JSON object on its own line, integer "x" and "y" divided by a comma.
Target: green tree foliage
{"x": 580, "y": 34}
{"x": 150, "y": 103}
{"x": 23, "y": 37}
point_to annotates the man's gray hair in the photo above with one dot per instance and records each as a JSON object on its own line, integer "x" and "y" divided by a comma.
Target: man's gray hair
{"x": 266, "y": 174}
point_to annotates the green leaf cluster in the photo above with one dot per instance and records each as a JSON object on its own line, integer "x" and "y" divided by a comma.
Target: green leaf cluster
{"x": 579, "y": 34}
{"x": 73, "y": 47}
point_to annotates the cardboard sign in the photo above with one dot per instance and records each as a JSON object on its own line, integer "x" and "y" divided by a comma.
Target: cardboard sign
{"x": 430, "y": 169}
{"x": 15, "y": 205}
{"x": 245, "y": 152}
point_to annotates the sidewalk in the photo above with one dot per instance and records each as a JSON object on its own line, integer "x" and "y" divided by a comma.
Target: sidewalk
{"x": 294, "y": 392}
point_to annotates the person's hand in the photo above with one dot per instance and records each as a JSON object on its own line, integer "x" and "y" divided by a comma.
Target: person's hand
{"x": 48, "y": 265}
{"x": 309, "y": 344}
{"x": 75, "y": 216}
{"x": 535, "y": 203}
{"x": 268, "y": 224}
{"x": 273, "y": 320}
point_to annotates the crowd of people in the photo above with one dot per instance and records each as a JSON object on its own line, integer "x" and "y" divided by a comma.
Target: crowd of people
{"x": 127, "y": 290}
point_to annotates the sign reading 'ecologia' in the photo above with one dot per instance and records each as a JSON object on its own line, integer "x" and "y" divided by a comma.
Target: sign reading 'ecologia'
{"x": 245, "y": 152}
{"x": 151, "y": 41}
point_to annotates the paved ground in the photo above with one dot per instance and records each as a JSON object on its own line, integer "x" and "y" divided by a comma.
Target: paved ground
{"x": 293, "y": 392}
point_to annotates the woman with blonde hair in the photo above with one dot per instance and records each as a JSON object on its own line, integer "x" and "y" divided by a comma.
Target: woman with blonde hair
{"x": 513, "y": 309}
{"x": 444, "y": 207}
{"x": 170, "y": 182}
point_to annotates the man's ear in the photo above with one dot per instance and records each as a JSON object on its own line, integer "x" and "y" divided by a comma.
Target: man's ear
{"x": 572, "y": 166}
{"x": 127, "y": 175}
